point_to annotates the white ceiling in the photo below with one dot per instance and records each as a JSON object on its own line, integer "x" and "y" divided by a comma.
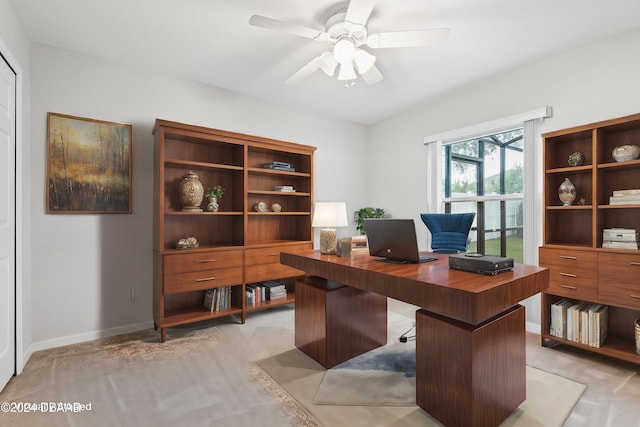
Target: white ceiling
{"x": 210, "y": 41}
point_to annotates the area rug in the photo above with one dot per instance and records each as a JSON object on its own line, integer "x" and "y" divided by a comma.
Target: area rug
{"x": 195, "y": 378}
{"x": 550, "y": 398}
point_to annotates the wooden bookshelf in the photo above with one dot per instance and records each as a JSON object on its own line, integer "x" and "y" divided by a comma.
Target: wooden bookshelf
{"x": 237, "y": 244}
{"x": 580, "y": 268}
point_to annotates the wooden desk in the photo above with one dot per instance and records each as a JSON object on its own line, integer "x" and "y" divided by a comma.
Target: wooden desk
{"x": 470, "y": 334}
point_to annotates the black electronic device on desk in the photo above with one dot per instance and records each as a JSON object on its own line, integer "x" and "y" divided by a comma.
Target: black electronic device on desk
{"x": 478, "y": 263}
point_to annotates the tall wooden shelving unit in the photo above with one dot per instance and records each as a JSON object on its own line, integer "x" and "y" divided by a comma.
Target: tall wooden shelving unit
{"x": 580, "y": 268}
{"x": 237, "y": 244}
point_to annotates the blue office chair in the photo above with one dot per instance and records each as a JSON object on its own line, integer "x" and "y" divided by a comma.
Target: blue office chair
{"x": 449, "y": 232}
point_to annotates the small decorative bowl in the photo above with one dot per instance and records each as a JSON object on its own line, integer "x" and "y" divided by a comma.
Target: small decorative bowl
{"x": 625, "y": 153}
{"x": 576, "y": 159}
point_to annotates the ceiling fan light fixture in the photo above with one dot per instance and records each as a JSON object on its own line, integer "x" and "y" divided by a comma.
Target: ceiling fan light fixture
{"x": 328, "y": 63}
{"x": 347, "y": 72}
{"x": 363, "y": 60}
{"x": 344, "y": 51}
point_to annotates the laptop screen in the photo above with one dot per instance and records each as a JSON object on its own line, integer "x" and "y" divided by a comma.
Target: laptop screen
{"x": 393, "y": 240}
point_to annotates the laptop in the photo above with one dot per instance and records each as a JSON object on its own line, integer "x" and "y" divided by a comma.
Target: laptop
{"x": 393, "y": 240}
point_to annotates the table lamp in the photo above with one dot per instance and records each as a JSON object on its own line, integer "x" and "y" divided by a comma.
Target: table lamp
{"x": 329, "y": 215}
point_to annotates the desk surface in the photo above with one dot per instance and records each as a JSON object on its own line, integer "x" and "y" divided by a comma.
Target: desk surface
{"x": 468, "y": 297}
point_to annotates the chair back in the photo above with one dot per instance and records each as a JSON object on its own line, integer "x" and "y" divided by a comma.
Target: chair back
{"x": 449, "y": 232}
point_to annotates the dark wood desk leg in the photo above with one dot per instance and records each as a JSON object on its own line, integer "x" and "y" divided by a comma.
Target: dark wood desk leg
{"x": 470, "y": 375}
{"x": 334, "y": 322}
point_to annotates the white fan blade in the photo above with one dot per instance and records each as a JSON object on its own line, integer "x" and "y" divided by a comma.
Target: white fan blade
{"x": 411, "y": 38}
{"x": 298, "y": 30}
{"x": 372, "y": 76}
{"x": 304, "y": 72}
{"x": 359, "y": 11}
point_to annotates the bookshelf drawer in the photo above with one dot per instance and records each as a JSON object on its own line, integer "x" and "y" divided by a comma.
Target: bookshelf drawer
{"x": 202, "y": 261}
{"x": 621, "y": 294}
{"x": 573, "y": 283}
{"x": 271, "y": 255}
{"x": 620, "y": 268}
{"x": 261, "y": 272}
{"x": 582, "y": 260}
{"x": 185, "y": 282}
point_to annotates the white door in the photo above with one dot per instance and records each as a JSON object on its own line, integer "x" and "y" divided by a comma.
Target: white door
{"x": 7, "y": 222}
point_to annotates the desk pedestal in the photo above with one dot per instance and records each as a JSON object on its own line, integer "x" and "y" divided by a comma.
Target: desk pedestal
{"x": 334, "y": 322}
{"x": 470, "y": 375}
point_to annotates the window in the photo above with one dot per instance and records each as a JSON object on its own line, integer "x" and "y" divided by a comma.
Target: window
{"x": 485, "y": 175}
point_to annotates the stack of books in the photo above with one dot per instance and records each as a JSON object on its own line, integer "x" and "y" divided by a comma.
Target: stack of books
{"x": 218, "y": 299}
{"x": 620, "y": 238}
{"x": 359, "y": 245}
{"x": 281, "y": 166}
{"x": 625, "y": 197}
{"x": 582, "y": 322}
{"x": 270, "y": 290}
{"x": 284, "y": 188}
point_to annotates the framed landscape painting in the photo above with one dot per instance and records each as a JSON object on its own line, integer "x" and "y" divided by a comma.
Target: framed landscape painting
{"x": 88, "y": 165}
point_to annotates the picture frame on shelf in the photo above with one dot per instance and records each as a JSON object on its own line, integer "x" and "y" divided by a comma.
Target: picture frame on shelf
{"x": 89, "y": 165}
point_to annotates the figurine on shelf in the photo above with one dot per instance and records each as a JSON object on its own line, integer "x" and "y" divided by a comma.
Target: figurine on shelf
{"x": 582, "y": 201}
{"x": 261, "y": 207}
{"x": 187, "y": 243}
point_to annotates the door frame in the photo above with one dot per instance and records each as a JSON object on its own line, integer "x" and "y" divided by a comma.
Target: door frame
{"x": 20, "y": 250}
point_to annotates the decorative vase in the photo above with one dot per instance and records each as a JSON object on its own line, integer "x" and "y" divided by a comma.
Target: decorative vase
{"x": 191, "y": 193}
{"x": 212, "y": 204}
{"x": 576, "y": 159}
{"x": 625, "y": 153}
{"x": 567, "y": 192}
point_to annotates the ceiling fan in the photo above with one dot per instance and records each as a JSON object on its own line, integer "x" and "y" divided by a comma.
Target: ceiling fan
{"x": 346, "y": 33}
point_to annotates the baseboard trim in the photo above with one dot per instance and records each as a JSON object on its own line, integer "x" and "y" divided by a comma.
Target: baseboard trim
{"x": 534, "y": 328}
{"x": 88, "y": 336}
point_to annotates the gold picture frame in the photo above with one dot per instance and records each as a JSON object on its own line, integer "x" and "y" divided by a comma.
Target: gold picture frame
{"x": 88, "y": 165}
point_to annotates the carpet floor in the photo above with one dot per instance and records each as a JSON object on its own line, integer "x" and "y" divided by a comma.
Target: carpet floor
{"x": 196, "y": 378}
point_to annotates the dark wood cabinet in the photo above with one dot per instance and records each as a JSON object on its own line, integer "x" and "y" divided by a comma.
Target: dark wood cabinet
{"x": 581, "y": 270}
{"x": 239, "y": 244}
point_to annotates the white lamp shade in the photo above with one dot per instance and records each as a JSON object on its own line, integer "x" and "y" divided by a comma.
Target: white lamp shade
{"x": 330, "y": 214}
{"x": 344, "y": 51}
{"x": 328, "y": 63}
{"x": 347, "y": 72}
{"x": 364, "y": 61}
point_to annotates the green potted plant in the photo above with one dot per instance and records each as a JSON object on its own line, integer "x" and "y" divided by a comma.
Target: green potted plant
{"x": 217, "y": 191}
{"x": 213, "y": 195}
{"x": 362, "y": 213}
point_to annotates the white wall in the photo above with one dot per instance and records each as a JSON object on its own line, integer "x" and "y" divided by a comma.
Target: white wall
{"x": 593, "y": 83}
{"x": 85, "y": 265}
{"x": 14, "y": 46}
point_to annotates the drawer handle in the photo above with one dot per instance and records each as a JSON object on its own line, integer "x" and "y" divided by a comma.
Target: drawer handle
{"x": 205, "y": 279}
{"x": 567, "y": 275}
{"x": 275, "y": 254}
{"x": 569, "y": 287}
{"x": 635, "y": 296}
{"x": 205, "y": 260}
{"x": 568, "y": 257}
{"x": 637, "y": 264}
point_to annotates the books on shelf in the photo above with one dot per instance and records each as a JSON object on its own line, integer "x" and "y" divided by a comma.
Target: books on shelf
{"x": 582, "y": 322}
{"x": 284, "y": 188}
{"x": 269, "y": 290}
{"x": 625, "y": 197}
{"x": 620, "y": 238}
{"x": 218, "y": 299}
{"x": 282, "y": 166}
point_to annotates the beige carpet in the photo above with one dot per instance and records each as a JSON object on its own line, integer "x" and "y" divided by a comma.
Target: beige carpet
{"x": 196, "y": 378}
{"x": 550, "y": 398}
